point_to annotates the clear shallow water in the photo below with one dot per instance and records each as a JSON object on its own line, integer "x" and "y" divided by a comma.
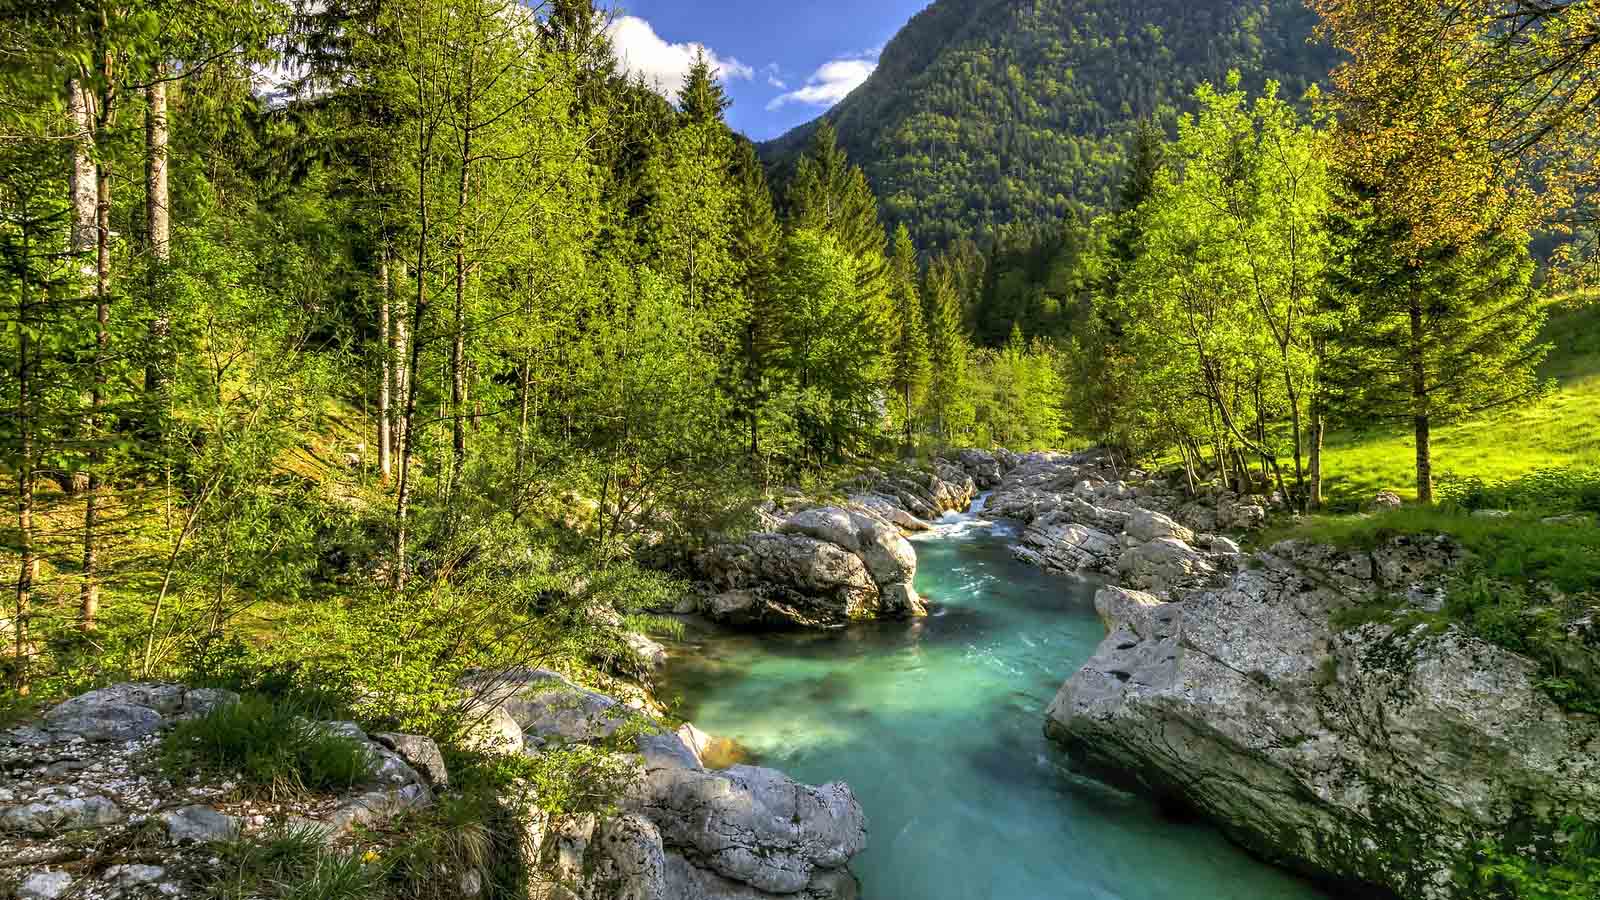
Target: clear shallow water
{"x": 937, "y": 726}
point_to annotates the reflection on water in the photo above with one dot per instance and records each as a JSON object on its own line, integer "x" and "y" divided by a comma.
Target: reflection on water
{"x": 937, "y": 725}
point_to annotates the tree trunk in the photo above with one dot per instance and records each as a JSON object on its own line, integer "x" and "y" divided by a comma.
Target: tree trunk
{"x": 158, "y": 215}
{"x": 25, "y": 424}
{"x": 1424, "y": 461}
{"x": 1318, "y": 434}
{"x": 408, "y": 416}
{"x": 1294, "y": 422}
{"x": 89, "y": 596}
{"x": 1420, "y": 406}
{"x": 81, "y": 178}
{"x": 458, "y": 343}
{"x": 400, "y": 358}
{"x": 386, "y": 371}
{"x": 524, "y": 401}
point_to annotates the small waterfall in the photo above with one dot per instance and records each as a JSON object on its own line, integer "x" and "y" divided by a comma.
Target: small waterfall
{"x": 959, "y": 524}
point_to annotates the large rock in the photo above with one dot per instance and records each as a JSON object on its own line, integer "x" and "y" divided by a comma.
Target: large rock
{"x": 682, "y": 831}
{"x": 886, "y": 553}
{"x": 199, "y": 824}
{"x": 46, "y": 885}
{"x": 123, "y": 712}
{"x": 421, "y": 753}
{"x": 547, "y": 707}
{"x": 1376, "y": 755}
{"x": 1149, "y": 525}
{"x": 986, "y": 469}
{"x": 60, "y": 812}
{"x": 755, "y": 826}
{"x": 890, "y": 511}
{"x": 793, "y": 579}
{"x": 1055, "y": 543}
{"x": 1163, "y": 563}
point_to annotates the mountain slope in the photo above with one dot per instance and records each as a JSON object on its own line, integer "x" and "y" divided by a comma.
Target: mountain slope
{"x": 984, "y": 112}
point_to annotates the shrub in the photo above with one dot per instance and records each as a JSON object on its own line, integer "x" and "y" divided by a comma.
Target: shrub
{"x": 336, "y": 876}
{"x": 1546, "y": 491}
{"x": 442, "y": 844}
{"x": 245, "y": 867}
{"x": 270, "y": 747}
{"x": 1571, "y": 874}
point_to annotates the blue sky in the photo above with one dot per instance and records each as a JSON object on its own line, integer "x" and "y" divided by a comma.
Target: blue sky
{"x": 783, "y": 62}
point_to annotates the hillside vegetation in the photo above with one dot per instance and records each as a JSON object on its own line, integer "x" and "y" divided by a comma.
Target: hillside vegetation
{"x": 985, "y": 112}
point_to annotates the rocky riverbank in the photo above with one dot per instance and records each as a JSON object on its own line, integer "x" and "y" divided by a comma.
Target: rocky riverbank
{"x": 86, "y": 811}
{"x": 818, "y": 564}
{"x": 1377, "y": 757}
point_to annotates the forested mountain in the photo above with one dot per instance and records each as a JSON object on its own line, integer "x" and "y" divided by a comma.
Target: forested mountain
{"x": 984, "y": 112}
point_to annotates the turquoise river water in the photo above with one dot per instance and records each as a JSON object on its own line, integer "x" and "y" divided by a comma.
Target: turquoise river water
{"x": 937, "y": 726}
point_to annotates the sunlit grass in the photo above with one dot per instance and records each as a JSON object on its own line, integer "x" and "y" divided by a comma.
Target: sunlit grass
{"x": 1561, "y": 431}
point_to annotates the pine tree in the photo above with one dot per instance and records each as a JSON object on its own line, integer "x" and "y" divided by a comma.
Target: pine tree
{"x": 908, "y": 355}
{"x": 831, "y": 196}
{"x": 948, "y": 351}
{"x": 702, "y": 98}
{"x": 757, "y": 241}
{"x": 1431, "y": 339}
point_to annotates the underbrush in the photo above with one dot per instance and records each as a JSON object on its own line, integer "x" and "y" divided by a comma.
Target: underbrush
{"x": 289, "y": 863}
{"x": 270, "y": 747}
{"x": 1548, "y": 492}
{"x": 1571, "y": 873}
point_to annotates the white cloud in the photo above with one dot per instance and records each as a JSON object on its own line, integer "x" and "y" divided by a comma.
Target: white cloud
{"x": 774, "y": 76}
{"x": 664, "y": 65}
{"x": 828, "y": 85}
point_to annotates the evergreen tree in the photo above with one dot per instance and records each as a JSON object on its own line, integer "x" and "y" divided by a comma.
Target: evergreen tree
{"x": 702, "y": 99}
{"x": 829, "y": 195}
{"x": 948, "y": 349}
{"x": 757, "y": 240}
{"x": 908, "y": 354}
{"x": 1431, "y": 339}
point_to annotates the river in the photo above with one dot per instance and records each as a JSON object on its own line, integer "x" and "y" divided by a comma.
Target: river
{"x": 937, "y": 726}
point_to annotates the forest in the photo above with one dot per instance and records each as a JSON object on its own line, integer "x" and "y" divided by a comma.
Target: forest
{"x": 351, "y": 345}
{"x": 984, "y": 113}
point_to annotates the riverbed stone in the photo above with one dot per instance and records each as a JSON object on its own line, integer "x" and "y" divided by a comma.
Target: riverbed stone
{"x": 1374, "y": 755}
{"x": 421, "y": 753}
{"x": 56, "y": 813}
{"x": 199, "y": 824}
{"x": 47, "y": 885}
{"x": 793, "y": 579}
{"x": 754, "y": 825}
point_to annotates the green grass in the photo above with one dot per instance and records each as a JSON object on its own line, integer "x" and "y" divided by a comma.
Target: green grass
{"x": 289, "y": 863}
{"x": 1562, "y": 431}
{"x": 1519, "y": 548}
{"x": 270, "y": 747}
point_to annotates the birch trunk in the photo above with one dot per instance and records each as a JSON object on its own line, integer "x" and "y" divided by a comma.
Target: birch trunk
{"x": 386, "y": 373}
{"x": 158, "y": 229}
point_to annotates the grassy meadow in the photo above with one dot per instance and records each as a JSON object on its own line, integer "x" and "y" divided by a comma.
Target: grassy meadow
{"x": 1560, "y": 431}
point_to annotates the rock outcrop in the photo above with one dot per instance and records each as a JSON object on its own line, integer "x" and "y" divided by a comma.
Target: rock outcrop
{"x": 684, "y": 831}
{"x": 1081, "y": 518}
{"x": 84, "y": 775}
{"x": 823, "y": 566}
{"x": 1376, "y": 756}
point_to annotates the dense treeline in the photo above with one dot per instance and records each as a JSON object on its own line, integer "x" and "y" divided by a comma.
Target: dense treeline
{"x": 436, "y": 275}
{"x": 440, "y": 276}
{"x": 988, "y": 112}
{"x": 1249, "y": 292}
